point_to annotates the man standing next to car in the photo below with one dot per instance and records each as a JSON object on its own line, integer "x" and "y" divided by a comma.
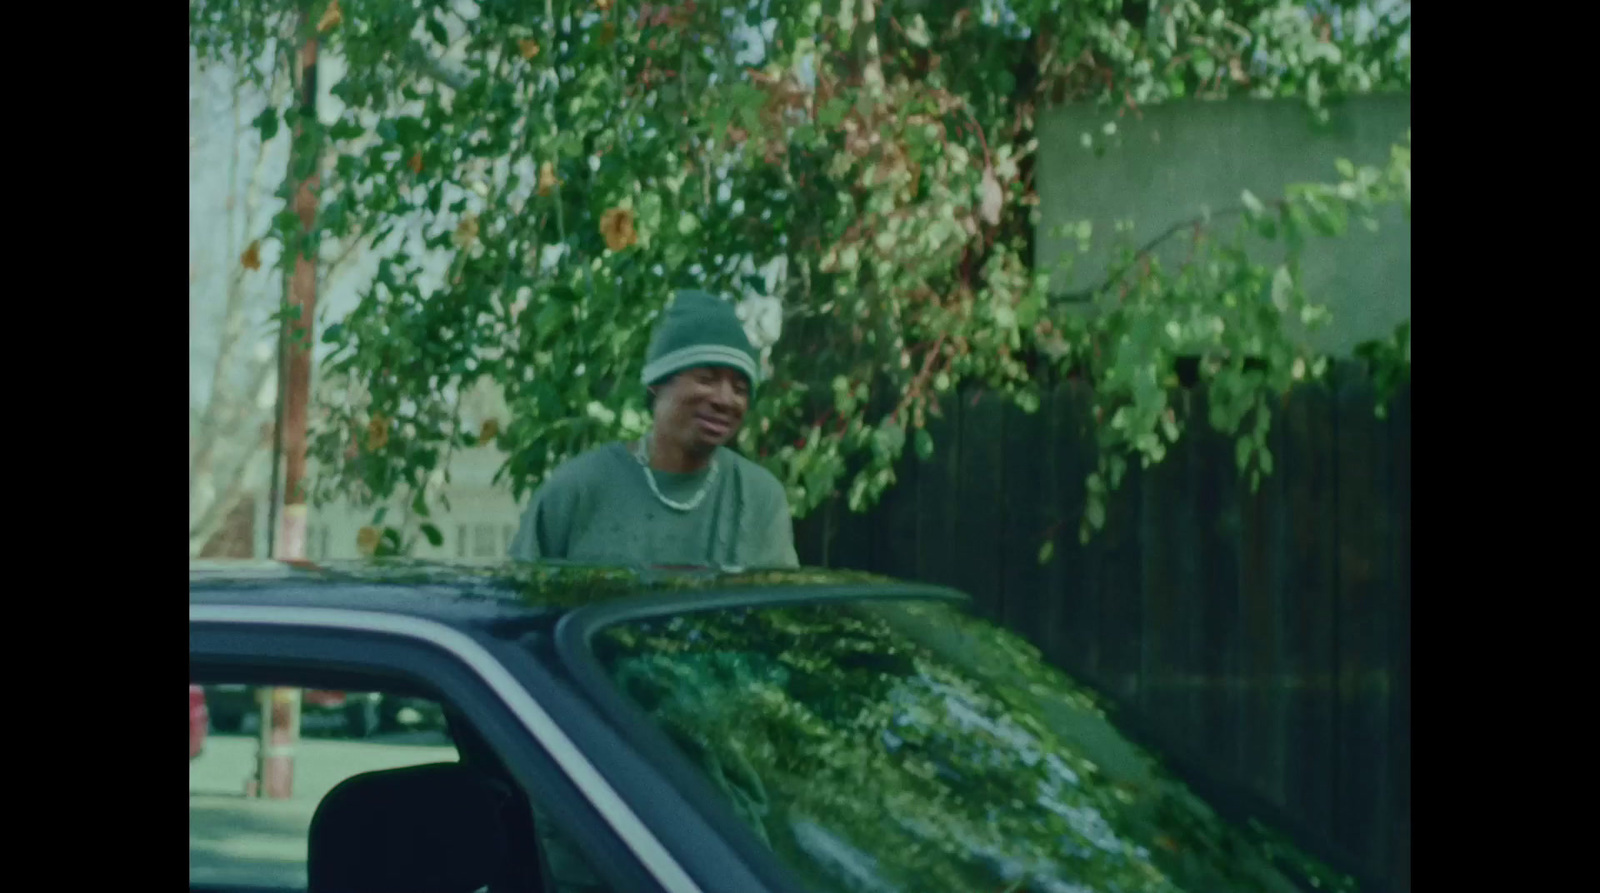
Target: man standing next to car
{"x": 678, "y": 496}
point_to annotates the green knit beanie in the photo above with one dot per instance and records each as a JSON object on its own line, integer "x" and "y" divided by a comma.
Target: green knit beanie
{"x": 699, "y": 329}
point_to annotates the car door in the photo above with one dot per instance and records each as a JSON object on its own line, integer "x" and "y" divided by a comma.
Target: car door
{"x": 313, "y": 648}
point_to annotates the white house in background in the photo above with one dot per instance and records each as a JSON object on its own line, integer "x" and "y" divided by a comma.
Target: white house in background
{"x": 480, "y": 523}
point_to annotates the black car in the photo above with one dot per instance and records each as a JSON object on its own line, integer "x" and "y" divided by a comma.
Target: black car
{"x": 720, "y": 732}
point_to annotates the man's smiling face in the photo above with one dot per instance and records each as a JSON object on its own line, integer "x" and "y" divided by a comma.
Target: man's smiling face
{"x": 702, "y": 408}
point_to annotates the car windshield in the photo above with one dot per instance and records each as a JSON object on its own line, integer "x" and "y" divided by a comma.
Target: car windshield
{"x": 907, "y": 746}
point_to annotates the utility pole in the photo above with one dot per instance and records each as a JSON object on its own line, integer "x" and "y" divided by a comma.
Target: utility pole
{"x": 280, "y": 707}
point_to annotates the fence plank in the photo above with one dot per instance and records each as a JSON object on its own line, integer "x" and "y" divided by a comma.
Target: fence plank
{"x": 808, "y": 538}
{"x": 1188, "y": 562}
{"x": 1165, "y": 665}
{"x": 1365, "y": 525}
{"x": 852, "y": 543}
{"x": 1305, "y": 552}
{"x": 977, "y": 507}
{"x": 937, "y": 484}
{"x": 1118, "y": 570}
{"x": 1073, "y": 618}
{"x": 1399, "y": 818}
{"x": 1219, "y": 633}
{"x": 897, "y": 553}
{"x": 1263, "y": 541}
{"x": 1024, "y": 471}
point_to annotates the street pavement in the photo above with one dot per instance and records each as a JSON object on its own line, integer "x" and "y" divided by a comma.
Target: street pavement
{"x": 258, "y": 842}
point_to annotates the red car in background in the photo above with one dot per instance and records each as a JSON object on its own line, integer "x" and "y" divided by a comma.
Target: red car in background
{"x": 199, "y": 720}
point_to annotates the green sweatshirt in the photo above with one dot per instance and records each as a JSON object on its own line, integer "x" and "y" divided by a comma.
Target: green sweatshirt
{"x": 598, "y": 508}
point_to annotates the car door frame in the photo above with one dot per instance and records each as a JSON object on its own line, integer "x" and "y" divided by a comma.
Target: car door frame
{"x": 504, "y": 709}
{"x": 641, "y": 773}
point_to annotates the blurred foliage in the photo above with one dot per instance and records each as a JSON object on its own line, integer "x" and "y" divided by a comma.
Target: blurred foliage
{"x": 903, "y": 746}
{"x": 1389, "y": 362}
{"x": 542, "y": 175}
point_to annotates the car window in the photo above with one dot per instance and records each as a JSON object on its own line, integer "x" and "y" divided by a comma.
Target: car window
{"x": 242, "y": 840}
{"x": 909, "y": 747}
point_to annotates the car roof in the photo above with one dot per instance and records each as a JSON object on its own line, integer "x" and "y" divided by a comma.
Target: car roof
{"x": 476, "y": 593}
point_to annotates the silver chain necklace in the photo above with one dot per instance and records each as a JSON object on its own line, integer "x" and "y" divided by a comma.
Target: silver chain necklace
{"x": 643, "y": 455}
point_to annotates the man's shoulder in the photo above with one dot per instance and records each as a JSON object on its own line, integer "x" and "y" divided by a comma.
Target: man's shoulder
{"x": 755, "y": 474}
{"x": 588, "y": 467}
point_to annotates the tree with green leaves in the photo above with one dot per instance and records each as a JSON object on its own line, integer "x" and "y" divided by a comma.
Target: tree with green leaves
{"x": 539, "y": 176}
{"x": 233, "y": 174}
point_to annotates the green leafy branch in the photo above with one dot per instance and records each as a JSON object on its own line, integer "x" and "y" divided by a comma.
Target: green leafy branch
{"x": 537, "y": 181}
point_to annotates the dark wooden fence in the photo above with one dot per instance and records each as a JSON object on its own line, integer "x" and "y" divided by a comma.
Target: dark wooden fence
{"x": 1264, "y": 637}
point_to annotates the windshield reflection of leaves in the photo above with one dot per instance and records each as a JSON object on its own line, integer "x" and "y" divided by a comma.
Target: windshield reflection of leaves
{"x": 950, "y": 758}
{"x": 815, "y": 698}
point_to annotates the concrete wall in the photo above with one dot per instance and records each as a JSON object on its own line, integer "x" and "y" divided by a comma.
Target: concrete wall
{"x": 1181, "y": 158}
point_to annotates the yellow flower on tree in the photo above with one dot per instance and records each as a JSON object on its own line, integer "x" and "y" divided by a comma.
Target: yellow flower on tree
{"x": 331, "y": 17}
{"x": 547, "y": 179}
{"x": 251, "y": 259}
{"x": 466, "y": 232}
{"x": 616, "y": 225}
{"x": 377, "y": 433}
{"x": 367, "y": 540}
